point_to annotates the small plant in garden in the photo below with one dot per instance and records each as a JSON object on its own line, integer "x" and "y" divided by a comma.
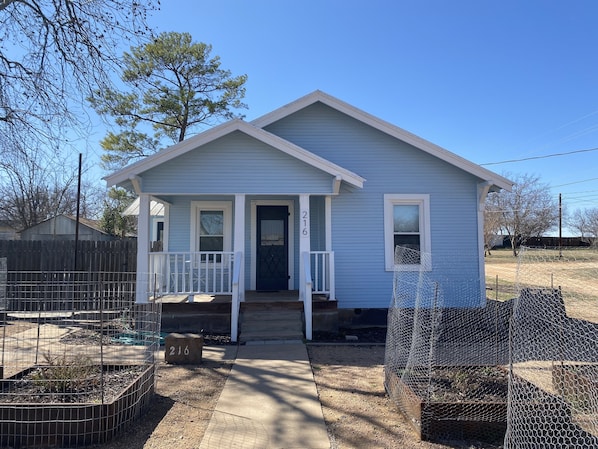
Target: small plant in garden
{"x": 65, "y": 375}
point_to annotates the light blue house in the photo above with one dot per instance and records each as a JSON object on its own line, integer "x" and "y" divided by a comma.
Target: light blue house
{"x": 312, "y": 197}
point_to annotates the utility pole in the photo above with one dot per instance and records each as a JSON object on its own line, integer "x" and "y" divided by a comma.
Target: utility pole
{"x": 560, "y": 226}
{"x": 77, "y": 218}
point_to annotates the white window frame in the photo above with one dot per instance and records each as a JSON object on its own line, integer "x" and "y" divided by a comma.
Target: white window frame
{"x": 397, "y": 199}
{"x": 226, "y": 207}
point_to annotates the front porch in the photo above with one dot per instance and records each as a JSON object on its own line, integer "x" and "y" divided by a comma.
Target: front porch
{"x": 196, "y": 285}
{"x": 262, "y": 316}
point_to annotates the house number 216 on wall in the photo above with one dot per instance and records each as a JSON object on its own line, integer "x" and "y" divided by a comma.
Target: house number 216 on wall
{"x": 304, "y": 223}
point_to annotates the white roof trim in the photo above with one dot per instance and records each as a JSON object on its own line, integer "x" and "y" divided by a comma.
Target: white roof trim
{"x": 386, "y": 127}
{"x": 210, "y": 135}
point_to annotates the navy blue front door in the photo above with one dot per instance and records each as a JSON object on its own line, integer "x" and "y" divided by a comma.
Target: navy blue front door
{"x": 272, "y": 271}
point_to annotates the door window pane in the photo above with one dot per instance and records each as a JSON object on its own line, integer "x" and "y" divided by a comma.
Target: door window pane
{"x": 272, "y": 233}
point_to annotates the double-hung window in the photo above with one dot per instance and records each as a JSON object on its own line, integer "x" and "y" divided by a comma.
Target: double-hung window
{"x": 406, "y": 224}
{"x": 212, "y": 226}
{"x": 211, "y": 230}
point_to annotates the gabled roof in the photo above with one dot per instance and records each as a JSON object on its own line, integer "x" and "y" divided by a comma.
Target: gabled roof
{"x": 212, "y": 134}
{"x": 385, "y": 127}
{"x": 88, "y": 223}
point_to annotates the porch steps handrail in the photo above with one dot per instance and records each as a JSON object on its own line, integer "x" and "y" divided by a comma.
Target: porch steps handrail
{"x": 236, "y": 297}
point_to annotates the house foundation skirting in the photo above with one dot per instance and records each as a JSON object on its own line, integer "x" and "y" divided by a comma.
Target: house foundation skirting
{"x": 360, "y": 317}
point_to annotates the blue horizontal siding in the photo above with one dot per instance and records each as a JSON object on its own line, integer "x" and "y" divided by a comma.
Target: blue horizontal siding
{"x": 236, "y": 163}
{"x": 390, "y": 166}
{"x": 239, "y": 164}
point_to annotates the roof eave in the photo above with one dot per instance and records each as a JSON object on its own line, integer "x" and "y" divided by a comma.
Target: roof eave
{"x": 385, "y": 127}
{"x": 130, "y": 172}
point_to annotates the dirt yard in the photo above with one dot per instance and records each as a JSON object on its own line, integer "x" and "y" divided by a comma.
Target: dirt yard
{"x": 349, "y": 378}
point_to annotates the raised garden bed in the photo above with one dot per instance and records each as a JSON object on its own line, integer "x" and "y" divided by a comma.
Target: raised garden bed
{"x": 449, "y": 406}
{"x": 62, "y": 422}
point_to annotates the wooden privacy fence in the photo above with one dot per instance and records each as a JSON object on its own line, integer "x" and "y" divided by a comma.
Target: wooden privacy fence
{"x": 68, "y": 290}
{"x": 88, "y": 256}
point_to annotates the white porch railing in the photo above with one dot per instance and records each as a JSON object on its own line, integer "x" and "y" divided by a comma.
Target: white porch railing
{"x": 217, "y": 273}
{"x": 322, "y": 273}
{"x": 191, "y": 272}
{"x": 317, "y": 278}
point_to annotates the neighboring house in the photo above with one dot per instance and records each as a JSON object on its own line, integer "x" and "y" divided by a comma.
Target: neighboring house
{"x": 313, "y": 197}
{"x": 8, "y": 231}
{"x": 156, "y": 231}
{"x": 63, "y": 227}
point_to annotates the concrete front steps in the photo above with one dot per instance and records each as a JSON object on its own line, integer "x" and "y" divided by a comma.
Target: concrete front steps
{"x": 271, "y": 321}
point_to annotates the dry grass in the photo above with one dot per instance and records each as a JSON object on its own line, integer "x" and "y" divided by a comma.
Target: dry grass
{"x": 575, "y": 272}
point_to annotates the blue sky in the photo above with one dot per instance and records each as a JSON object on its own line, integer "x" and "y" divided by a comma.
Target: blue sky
{"x": 489, "y": 80}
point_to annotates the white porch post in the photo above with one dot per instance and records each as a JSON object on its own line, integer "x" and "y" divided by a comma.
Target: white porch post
{"x": 304, "y": 249}
{"x": 143, "y": 239}
{"x": 328, "y": 224}
{"x": 328, "y": 221}
{"x": 239, "y": 247}
{"x": 304, "y": 237}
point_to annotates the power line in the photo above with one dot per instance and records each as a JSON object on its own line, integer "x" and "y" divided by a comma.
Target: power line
{"x": 542, "y": 157}
{"x": 579, "y": 191}
{"x": 575, "y": 182}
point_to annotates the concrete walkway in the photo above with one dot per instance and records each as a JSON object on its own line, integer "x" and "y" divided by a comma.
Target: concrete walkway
{"x": 269, "y": 401}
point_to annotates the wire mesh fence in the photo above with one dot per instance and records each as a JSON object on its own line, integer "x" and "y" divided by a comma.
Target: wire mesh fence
{"x": 78, "y": 357}
{"x": 524, "y": 369}
{"x": 553, "y": 400}
{"x": 446, "y": 353}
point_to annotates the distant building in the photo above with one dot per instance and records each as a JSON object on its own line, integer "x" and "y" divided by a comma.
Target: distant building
{"x": 8, "y": 231}
{"x": 63, "y": 227}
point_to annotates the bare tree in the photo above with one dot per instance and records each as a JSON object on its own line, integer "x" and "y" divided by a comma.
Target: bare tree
{"x": 529, "y": 210}
{"x": 53, "y": 51}
{"x": 492, "y": 228}
{"x": 585, "y": 222}
{"x": 34, "y": 188}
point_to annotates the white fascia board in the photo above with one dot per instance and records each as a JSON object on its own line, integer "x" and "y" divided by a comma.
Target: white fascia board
{"x": 130, "y": 172}
{"x": 387, "y": 128}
